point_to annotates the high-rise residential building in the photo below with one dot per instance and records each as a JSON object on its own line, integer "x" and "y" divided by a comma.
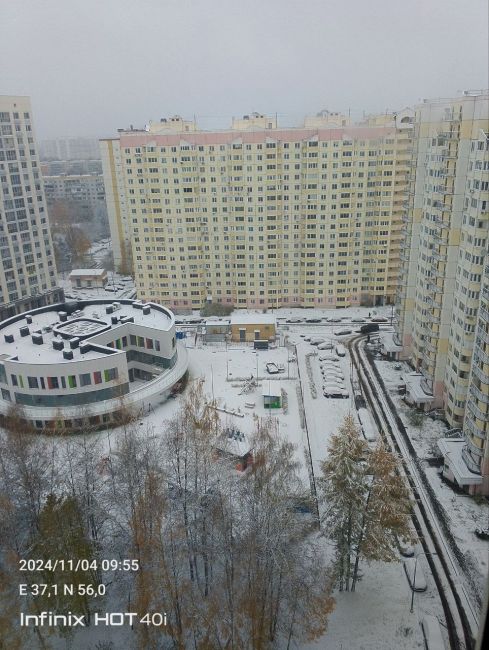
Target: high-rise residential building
{"x": 441, "y": 301}
{"x": 261, "y": 216}
{"x": 28, "y": 271}
{"x": 84, "y": 190}
{"x": 69, "y": 149}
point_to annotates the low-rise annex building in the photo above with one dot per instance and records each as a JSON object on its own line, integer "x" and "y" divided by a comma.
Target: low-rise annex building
{"x": 88, "y": 278}
{"x": 253, "y": 327}
{"x": 70, "y": 363}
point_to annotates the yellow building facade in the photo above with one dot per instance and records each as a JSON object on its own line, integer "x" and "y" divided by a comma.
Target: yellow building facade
{"x": 260, "y": 216}
{"x": 440, "y": 303}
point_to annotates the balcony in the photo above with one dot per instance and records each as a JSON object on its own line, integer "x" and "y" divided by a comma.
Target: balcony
{"x": 448, "y": 135}
{"x": 484, "y": 313}
{"x": 430, "y": 346}
{"x": 433, "y": 318}
{"x": 471, "y": 464}
{"x": 435, "y": 288}
{"x": 482, "y": 334}
{"x": 476, "y": 393}
{"x": 439, "y": 257}
{"x": 441, "y": 222}
{"x": 469, "y": 427}
{"x": 430, "y": 300}
{"x": 476, "y": 412}
{"x": 480, "y": 374}
{"x": 449, "y": 154}
{"x": 480, "y": 354}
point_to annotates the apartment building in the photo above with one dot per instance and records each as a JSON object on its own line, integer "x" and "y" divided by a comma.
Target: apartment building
{"x": 71, "y": 167}
{"x": 28, "y": 271}
{"x": 440, "y": 295}
{"x": 86, "y": 190}
{"x": 69, "y": 149}
{"x": 261, "y": 216}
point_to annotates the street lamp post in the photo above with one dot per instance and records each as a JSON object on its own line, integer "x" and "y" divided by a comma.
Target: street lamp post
{"x": 414, "y": 578}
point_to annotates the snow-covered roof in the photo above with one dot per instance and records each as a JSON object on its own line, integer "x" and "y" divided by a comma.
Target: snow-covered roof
{"x": 388, "y": 342}
{"x": 271, "y": 389}
{"x": 452, "y": 453}
{"x": 413, "y": 387}
{"x": 91, "y": 318}
{"x": 258, "y": 319}
{"x": 84, "y": 272}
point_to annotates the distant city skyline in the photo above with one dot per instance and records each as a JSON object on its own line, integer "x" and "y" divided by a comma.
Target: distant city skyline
{"x": 90, "y": 69}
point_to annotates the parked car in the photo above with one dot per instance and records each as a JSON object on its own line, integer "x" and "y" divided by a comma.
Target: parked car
{"x": 316, "y": 340}
{"x": 330, "y": 365}
{"x": 369, "y": 327}
{"x": 334, "y": 319}
{"x": 327, "y": 345}
{"x": 307, "y": 338}
{"x": 340, "y": 350}
{"x": 358, "y": 320}
{"x": 418, "y": 582}
{"x": 329, "y": 357}
{"x": 335, "y": 392}
{"x": 313, "y": 320}
{"x": 343, "y": 332}
{"x": 272, "y": 368}
{"x": 433, "y": 638}
{"x": 333, "y": 382}
{"x": 379, "y": 319}
{"x": 294, "y": 319}
{"x": 333, "y": 372}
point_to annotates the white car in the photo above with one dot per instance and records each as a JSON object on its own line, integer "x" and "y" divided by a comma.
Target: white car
{"x": 329, "y": 357}
{"x": 331, "y": 373}
{"x": 340, "y": 350}
{"x": 332, "y": 382}
{"x": 327, "y": 345}
{"x": 316, "y": 341}
{"x": 335, "y": 392}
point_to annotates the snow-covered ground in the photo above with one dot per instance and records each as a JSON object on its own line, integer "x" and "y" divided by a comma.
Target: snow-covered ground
{"x": 463, "y": 513}
{"x": 377, "y": 616}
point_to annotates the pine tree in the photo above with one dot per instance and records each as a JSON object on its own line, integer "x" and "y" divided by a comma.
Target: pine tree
{"x": 344, "y": 486}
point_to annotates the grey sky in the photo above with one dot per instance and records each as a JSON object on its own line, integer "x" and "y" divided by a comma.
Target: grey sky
{"x": 96, "y": 65}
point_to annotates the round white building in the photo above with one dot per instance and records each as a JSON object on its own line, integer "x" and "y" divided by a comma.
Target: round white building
{"x": 85, "y": 361}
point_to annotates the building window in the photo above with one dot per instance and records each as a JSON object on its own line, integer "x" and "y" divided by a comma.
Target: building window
{"x": 6, "y": 394}
{"x": 157, "y": 345}
{"x": 72, "y": 381}
{"x": 32, "y": 381}
{"x": 149, "y": 344}
{"x": 85, "y": 379}
{"x": 111, "y": 374}
{"x": 53, "y": 382}
{"x": 97, "y": 377}
{"x": 14, "y": 380}
{"x": 132, "y": 339}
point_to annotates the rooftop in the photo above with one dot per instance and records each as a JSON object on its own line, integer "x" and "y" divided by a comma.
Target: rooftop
{"x": 87, "y": 272}
{"x": 452, "y": 453}
{"x": 87, "y": 321}
{"x": 413, "y": 386}
{"x": 258, "y": 319}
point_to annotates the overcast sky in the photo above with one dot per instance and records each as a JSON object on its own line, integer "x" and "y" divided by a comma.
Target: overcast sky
{"x": 95, "y": 65}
